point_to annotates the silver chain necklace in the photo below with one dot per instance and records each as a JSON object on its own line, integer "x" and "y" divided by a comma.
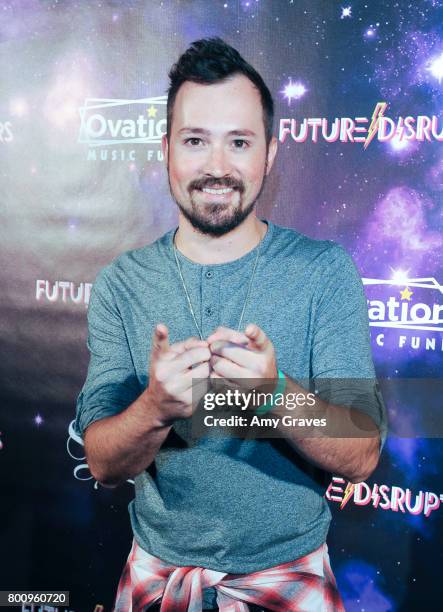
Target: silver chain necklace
{"x": 189, "y": 299}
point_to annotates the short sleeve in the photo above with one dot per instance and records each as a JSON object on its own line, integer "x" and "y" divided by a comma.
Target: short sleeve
{"x": 111, "y": 384}
{"x": 341, "y": 360}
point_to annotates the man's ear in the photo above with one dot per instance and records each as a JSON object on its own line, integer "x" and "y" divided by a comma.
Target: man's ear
{"x": 165, "y": 148}
{"x": 272, "y": 152}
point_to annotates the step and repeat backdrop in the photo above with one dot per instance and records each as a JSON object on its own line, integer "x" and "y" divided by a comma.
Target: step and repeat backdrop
{"x": 358, "y": 88}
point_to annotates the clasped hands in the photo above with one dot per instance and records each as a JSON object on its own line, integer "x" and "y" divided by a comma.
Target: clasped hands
{"x": 225, "y": 354}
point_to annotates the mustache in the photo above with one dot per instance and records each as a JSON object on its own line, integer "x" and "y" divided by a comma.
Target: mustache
{"x": 226, "y": 182}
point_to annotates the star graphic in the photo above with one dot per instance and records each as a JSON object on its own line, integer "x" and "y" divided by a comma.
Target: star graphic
{"x": 436, "y": 68}
{"x": 406, "y": 294}
{"x": 346, "y": 12}
{"x": 152, "y": 111}
{"x": 293, "y": 91}
{"x": 38, "y": 420}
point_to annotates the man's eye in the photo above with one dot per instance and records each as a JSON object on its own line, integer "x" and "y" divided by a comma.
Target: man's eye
{"x": 240, "y": 144}
{"x": 193, "y": 141}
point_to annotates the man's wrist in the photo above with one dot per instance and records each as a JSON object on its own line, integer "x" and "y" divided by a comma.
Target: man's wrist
{"x": 278, "y": 390}
{"x": 153, "y": 410}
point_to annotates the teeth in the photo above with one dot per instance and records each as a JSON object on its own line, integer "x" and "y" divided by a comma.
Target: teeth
{"x": 217, "y": 191}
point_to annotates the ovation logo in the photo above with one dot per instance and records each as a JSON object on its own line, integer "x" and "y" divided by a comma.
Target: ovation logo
{"x": 108, "y": 121}
{"x": 408, "y": 304}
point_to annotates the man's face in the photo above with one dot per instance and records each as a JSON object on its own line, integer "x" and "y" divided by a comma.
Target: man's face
{"x": 217, "y": 156}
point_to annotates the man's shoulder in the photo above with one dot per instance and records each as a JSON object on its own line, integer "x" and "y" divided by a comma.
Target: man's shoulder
{"x": 292, "y": 243}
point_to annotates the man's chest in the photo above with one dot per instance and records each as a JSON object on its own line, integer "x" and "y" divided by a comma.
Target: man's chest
{"x": 284, "y": 310}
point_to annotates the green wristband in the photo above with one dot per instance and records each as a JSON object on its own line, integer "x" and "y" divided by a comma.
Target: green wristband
{"x": 281, "y": 386}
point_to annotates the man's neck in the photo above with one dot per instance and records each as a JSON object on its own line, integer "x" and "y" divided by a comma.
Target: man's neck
{"x": 205, "y": 249}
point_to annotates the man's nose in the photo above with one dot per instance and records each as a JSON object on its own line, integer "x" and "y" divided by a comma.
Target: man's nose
{"x": 217, "y": 162}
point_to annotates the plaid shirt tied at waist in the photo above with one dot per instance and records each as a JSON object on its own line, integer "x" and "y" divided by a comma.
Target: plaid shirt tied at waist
{"x": 304, "y": 585}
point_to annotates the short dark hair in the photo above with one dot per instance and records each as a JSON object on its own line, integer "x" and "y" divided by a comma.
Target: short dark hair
{"x": 211, "y": 60}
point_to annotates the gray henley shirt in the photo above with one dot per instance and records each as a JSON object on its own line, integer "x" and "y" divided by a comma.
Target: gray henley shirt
{"x": 228, "y": 504}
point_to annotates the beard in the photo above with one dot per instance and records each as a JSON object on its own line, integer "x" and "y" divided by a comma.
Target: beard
{"x": 217, "y": 221}
{"x": 217, "y": 218}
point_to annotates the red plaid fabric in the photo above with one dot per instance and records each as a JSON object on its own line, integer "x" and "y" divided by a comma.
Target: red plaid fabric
{"x": 304, "y": 585}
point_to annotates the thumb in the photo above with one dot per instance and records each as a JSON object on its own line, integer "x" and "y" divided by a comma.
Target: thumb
{"x": 257, "y": 337}
{"x": 160, "y": 342}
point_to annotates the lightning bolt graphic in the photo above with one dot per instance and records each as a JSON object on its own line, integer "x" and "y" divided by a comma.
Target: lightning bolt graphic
{"x": 379, "y": 111}
{"x": 375, "y": 496}
{"x": 347, "y": 495}
{"x": 400, "y": 129}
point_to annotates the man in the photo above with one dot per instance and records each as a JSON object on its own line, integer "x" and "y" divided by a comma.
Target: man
{"x": 226, "y": 295}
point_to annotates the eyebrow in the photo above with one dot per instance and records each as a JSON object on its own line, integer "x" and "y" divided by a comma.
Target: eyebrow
{"x": 196, "y": 130}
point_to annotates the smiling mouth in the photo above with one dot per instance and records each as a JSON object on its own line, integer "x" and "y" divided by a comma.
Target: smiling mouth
{"x": 217, "y": 191}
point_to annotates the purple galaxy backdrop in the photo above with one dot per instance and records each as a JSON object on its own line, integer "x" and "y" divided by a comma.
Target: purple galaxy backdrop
{"x": 82, "y": 180}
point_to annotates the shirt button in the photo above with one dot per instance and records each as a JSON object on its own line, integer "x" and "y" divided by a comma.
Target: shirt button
{"x": 208, "y": 311}
{"x": 209, "y": 274}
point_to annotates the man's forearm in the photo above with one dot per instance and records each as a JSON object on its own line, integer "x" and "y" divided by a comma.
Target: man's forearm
{"x": 351, "y": 456}
{"x": 123, "y": 445}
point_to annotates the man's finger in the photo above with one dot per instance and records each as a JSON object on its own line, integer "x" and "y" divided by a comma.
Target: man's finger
{"x": 228, "y": 335}
{"x": 160, "y": 342}
{"x": 189, "y": 358}
{"x": 237, "y": 353}
{"x": 258, "y": 338}
{"x": 242, "y": 384}
{"x": 184, "y": 345}
{"x": 226, "y": 368}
